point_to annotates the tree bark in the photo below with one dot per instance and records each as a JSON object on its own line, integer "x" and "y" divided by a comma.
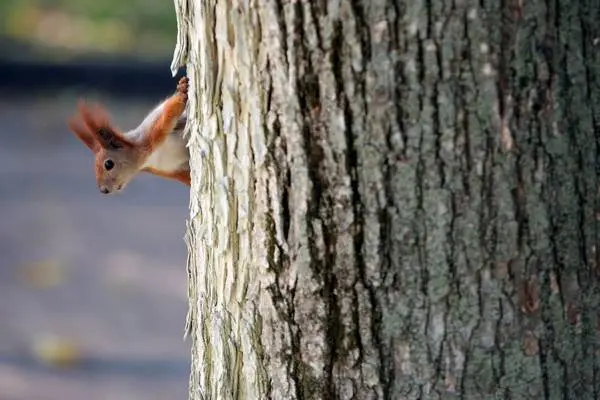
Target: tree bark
{"x": 393, "y": 199}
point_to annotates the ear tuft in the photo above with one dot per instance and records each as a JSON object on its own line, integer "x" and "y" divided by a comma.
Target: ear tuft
{"x": 82, "y": 132}
{"x": 98, "y": 123}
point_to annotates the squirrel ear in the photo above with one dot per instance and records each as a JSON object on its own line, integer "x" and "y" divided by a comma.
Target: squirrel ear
{"x": 109, "y": 139}
{"x": 82, "y": 133}
{"x": 99, "y": 125}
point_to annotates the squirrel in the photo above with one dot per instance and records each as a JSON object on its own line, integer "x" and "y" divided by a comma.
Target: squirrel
{"x": 156, "y": 146}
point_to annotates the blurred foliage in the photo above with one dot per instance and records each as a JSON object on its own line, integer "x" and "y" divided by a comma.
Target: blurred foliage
{"x": 63, "y": 29}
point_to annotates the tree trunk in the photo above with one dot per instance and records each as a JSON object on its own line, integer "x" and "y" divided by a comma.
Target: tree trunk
{"x": 393, "y": 199}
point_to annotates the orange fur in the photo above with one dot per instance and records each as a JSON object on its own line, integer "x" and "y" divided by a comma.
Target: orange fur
{"x": 181, "y": 176}
{"x": 173, "y": 109}
{"x": 92, "y": 121}
{"x": 96, "y": 118}
{"x": 81, "y": 131}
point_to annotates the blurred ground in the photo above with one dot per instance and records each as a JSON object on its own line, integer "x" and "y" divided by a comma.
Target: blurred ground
{"x": 104, "y": 274}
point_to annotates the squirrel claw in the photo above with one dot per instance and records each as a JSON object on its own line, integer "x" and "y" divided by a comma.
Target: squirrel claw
{"x": 182, "y": 86}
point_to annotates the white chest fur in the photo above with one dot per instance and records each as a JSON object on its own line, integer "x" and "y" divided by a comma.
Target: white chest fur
{"x": 171, "y": 156}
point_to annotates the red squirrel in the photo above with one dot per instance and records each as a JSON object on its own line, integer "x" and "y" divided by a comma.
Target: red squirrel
{"x": 156, "y": 146}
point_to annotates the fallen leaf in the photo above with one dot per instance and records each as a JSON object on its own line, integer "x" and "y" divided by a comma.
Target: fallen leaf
{"x": 56, "y": 352}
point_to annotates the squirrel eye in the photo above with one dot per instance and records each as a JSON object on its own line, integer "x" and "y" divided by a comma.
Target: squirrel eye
{"x": 109, "y": 164}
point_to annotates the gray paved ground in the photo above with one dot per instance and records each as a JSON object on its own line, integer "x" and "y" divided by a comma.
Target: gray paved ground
{"x": 121, "y": 298}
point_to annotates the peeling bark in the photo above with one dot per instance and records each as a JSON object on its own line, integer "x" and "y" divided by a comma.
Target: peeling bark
{"x": 393, "y": 199}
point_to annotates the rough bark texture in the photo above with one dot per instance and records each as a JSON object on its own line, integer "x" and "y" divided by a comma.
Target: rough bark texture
{"x": 393, "y": 199}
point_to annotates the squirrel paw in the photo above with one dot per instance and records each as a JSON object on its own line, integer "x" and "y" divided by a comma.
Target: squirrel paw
{"x": 182, "y": 86}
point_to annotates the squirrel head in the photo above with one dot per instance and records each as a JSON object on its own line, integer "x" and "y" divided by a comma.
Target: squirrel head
{"x": 117, "y": 159}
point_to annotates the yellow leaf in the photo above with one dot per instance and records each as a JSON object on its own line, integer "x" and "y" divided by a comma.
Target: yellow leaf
{"x": 56, "y": 352}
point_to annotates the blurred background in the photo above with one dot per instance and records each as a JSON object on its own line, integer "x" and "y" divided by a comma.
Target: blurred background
{"x": 92, "y": 287}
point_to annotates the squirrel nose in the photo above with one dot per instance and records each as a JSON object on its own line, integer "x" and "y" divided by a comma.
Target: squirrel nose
{"x": 104, "y": 190}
